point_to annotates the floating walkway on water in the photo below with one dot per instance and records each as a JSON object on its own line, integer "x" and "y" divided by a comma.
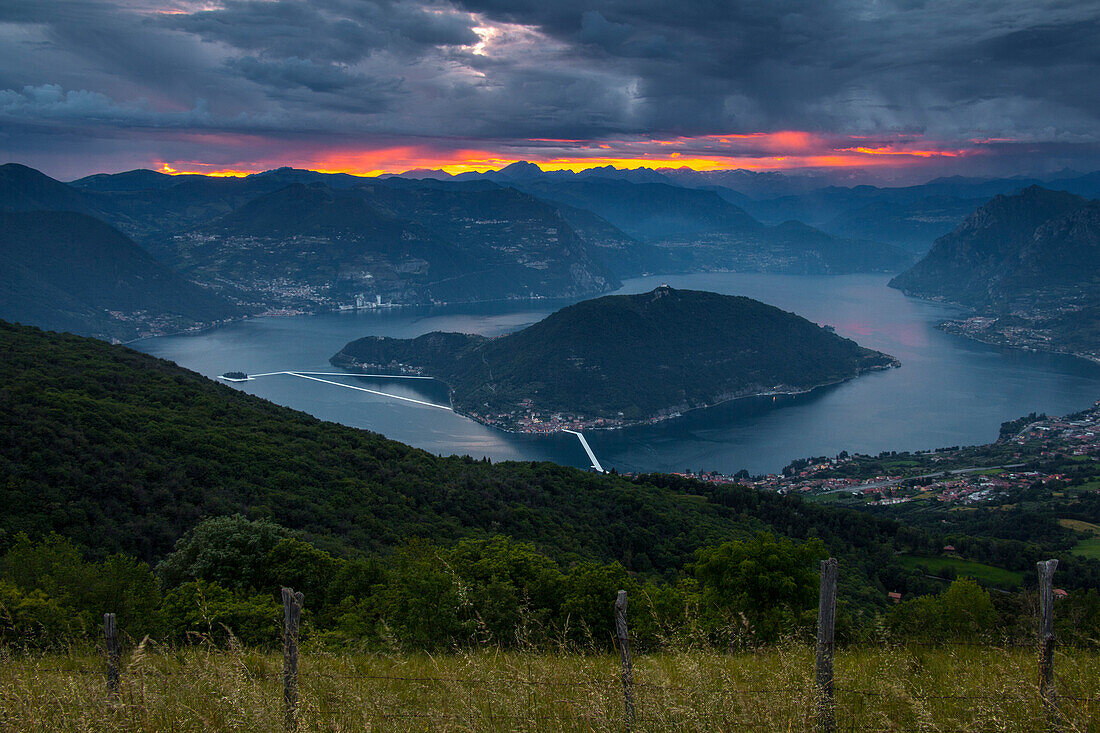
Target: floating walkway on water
{"x": 316, "y": 377}
{"x": 587, "y": 449}
{"x": 336, "y": 374}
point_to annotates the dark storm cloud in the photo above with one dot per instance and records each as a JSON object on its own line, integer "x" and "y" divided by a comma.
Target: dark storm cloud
{"x": 916, "y": 66}
{"x": 325, "y": 30}
{"x": 51, "y": 102}
{"x": 501, "y": 70}
{"x": 290, "y": 75}
{"x": 88, "y": 38}
{"x": 620, "y": 39}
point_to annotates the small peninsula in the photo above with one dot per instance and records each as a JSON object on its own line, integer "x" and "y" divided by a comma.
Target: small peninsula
{"x": 623, "y": 360}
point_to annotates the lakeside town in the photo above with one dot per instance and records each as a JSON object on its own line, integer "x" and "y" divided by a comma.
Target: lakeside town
{"x": 530, "y": 421}
{"x": 1025, "y": 330}
{"x": 527, "y": 420}
{"x": 1036, "y": 450}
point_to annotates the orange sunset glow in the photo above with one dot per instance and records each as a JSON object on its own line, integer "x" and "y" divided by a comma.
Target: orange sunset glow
{"x": 778, "y": 151}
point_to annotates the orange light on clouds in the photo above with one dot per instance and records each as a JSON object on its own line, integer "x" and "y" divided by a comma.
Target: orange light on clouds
{"x": 191, "y": 169}
{"x": 915, "y": 153}
{"x": 784, "y": 150}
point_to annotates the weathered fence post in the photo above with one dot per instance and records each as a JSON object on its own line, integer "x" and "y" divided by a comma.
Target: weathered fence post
{"x": 292, "y": 616}
{"x": 110, "y": 634}
{"x": 826, "y": 627}
{"x": 623, "y": 638}
{"x": 1046, "y": 639}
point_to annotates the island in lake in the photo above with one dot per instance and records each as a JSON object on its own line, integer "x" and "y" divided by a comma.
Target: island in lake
{"x": 623, "y": 360}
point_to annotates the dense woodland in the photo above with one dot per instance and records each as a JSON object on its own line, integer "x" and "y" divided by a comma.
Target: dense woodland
{"x": 136, "y": 486}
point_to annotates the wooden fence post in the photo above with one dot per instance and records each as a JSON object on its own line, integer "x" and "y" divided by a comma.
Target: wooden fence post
{"x": 110, "y": 634}
{"x": 623, "y": 638}
{"x": 1046, "y": 639}
{"x": 292, "y": 616}
{"x": 826, "y": 627}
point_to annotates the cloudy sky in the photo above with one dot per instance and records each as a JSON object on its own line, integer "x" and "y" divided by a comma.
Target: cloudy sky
{"x": 897, "y": 88}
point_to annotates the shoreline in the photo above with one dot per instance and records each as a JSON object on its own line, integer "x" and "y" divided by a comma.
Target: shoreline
{"x": 946, "y": 327}
{"x": 187, "y": 331}
{"x": 336, "y": 311}
{"x": 672, "y": 416}
{"x": 483, "y": 301}
{"x": 970, "y": 312}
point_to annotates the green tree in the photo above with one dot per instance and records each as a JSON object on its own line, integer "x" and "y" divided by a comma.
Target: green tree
{"x": 231, "y": 551}
{"x": 34, "y": 619}
{"x": 55, "y": 569}
{"x": 964, "y": 611}
{"x": 759, "y": 589}
{"x": 200, "y": 609}
{"x": 588, "y": 602}
{"x": 513, "y": 591}
{"x": 1077, "y": 618}
{"x": 53, "y": 565}
{"x": 296, "y": 563}
{"x": 424, "y": 603}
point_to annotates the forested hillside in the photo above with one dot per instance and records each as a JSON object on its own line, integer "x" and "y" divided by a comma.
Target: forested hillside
{"x": 103, "y": 449}
{"x": 122, "y": 451}
{"x": 68, "y": 271}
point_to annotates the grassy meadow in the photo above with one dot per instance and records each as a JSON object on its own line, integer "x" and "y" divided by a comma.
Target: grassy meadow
{"x": 997, "y": 577}
{"x": 913, "y": 688}
{"x": 1089, "y": 546}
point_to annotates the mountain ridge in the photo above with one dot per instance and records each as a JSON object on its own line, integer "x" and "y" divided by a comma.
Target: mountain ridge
{"x": 1029, "y": 267}
{"x": 971, "y": 264}
{"x": 72, "y": 272}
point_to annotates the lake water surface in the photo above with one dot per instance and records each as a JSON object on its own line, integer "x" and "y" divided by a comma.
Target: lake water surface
{"x": 948, "y": 391}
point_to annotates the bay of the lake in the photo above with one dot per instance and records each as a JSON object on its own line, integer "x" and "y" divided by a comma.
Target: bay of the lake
{"x": 948, "y": 391}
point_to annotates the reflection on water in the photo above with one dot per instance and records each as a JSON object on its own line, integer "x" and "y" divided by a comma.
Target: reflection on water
{"x": 949, "y": 390}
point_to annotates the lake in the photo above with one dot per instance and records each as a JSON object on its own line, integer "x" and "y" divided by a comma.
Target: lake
{"x": 948, "y": 391}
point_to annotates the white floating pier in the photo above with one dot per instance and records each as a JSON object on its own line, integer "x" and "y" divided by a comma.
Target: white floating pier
{"x": 587, "y": 449}
{"x": 316, "y": 377}
{"x": 335, "y": 374}
{"x": 303, "y": 375}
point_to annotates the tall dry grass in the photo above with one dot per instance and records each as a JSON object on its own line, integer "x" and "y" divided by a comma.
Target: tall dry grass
{"x": 960, "y": 688}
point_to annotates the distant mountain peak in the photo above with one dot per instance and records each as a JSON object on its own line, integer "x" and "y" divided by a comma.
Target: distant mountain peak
{"x": 16, "y": 171}
{"x": 1033, "y": 202}
{"x": 436, "y": 173}
{"x": 518, "y": 171}
{"x": 521, "y": 165}
{"x": 26, "y": 189}
{"x": 300, "y": 208}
